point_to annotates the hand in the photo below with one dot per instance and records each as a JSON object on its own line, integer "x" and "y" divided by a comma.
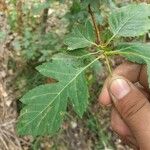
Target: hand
{"x": 131, "y": 112}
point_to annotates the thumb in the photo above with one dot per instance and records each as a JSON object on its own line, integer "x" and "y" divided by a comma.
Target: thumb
{"x": 133, "y": 107}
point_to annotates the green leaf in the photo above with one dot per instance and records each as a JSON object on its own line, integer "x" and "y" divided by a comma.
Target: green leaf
{"x": 45, "y": 105}
{"x": 97, "y": 67}
{"x": 70, "y": 74}
{"x": 43, "y": 112}
{"x": 136, "y": 52}
{"x": 81, "y": 37}
{"x": 130, "y": 21}
{"x": 76, "y": 7}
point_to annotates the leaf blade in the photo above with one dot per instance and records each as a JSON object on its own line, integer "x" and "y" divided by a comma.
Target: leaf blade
{"x": 33, "y": 123}
{"x": 131, "y": 20}
{"x": 136, "y": 52}
{"x": 81, "y": 37}
{"x": 46, "y": 104}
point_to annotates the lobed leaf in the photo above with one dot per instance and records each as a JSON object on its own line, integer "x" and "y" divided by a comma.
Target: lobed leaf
{"x": 45, "y": 106}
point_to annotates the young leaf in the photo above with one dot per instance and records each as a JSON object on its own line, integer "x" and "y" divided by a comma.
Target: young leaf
{"x": 45, "y": 105}
{"x": 131, "y": 20}
{"x": 81, "y": 37}
{"x": 136, "y": 52}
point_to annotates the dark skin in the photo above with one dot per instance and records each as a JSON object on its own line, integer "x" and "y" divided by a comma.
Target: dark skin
{"x": 130, "y": 116}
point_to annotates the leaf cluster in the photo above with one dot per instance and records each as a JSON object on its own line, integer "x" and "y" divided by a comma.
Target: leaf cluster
{"x": 45, "y": 105}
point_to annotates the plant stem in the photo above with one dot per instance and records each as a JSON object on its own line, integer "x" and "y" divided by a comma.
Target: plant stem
{"x": 108, "y": 64}
{"x": 98, "y": 38}
{"x": 44, "y": 20}
{"x": 97, "y": 33}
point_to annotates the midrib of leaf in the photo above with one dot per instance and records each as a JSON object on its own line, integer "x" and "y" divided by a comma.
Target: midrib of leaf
{"x": 128, "y": 53}
{"x": 136, "y": 54}
{"x": 79, "y": 57}
{"x": 48, "y": 106}
{"x": 126, "y": 21}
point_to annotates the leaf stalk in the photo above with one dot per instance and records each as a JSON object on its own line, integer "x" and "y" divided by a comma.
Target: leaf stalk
{"x": 108, "y": 63}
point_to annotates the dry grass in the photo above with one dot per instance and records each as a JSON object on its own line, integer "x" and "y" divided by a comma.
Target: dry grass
{"x": 8, "y": 111}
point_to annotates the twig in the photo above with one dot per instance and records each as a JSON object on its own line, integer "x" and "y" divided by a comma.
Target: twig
{"x": 97, "y": 33}
{"x": 44, "y": 20}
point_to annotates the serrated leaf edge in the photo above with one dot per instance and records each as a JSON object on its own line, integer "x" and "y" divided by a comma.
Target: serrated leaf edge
{"x": 48, "y": 106}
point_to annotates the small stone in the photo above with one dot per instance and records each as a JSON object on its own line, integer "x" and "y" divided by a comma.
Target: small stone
{"x": 73, "y": 124}
{"x": 8, "y": 103}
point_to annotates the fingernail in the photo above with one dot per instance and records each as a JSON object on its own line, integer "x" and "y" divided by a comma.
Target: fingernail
{"x": 119, "y": 88}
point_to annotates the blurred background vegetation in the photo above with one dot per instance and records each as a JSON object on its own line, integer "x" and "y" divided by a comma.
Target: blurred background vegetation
{"x": 31, "y": 32}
